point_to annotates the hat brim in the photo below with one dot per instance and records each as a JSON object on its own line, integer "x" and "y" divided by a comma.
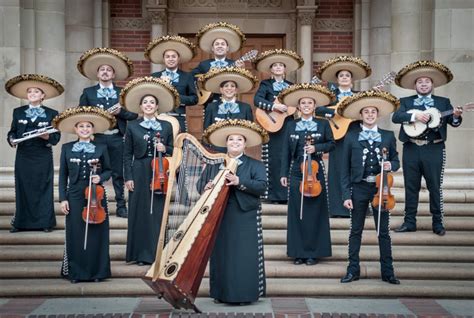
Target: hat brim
{"x": 292, "y": 98}
{"x": 351, "y": 107}
{"x": 408, "y": 80}
{"x": 291, "y": 64}
{"x": 92, "y": 64}
{"x": 18, "y": 86}
{"x": 219, "y": 137}
{"x": 155, "y": 54}
{"x": 358, "y": 72}
{"x": 232, "y": 38}
{"x": 68, "y": 124}
{"x": 244, "y": 83}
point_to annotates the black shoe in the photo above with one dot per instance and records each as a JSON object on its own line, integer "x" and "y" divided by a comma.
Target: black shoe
{"x": 97, "y": 280}
{"x": 349, "y": 278}
{"x": 48, "y": 230}
{"x": 311, "y": 261}
{"x": 245, "y": 303}
{"x": 404, "y": 228}
{"x": 298, "y": 261}
{"x": 14, "y": 230}
{"x": 391, "y": 280}
{"x": 74, "y": 281}
{"x": 141, "y": 264}
{"x": 217, "y": 301}
{"x": 122, "y": 212}
{"x": 440, "y": 231}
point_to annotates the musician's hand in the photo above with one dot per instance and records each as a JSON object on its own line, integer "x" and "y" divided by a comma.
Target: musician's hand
{"x": 424, "y": 118}
{"x": 310, "y": 149}
{"x": 119, "y": 109}
{"x": 284, "y": 181}
{"x": 130, "y": 185}
{"x": 457, "y": 112}
{"x": 348, "y": 204}
{"x": 11, "y": 143}
{"x": 232, "y": 179}
{"x": 95, "y": 179}
{"x": 387, "y": 166}
{"x": 44, "y": 136}
{"x": 209, "y": 186}
{"x": 65, "y": 207}
{"x": 160, "y": 147}
{"x": 239, "y": 63}
{"x": 280, "y": 108}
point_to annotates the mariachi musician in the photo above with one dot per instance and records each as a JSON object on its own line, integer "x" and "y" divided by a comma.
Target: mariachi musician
{"x": 34, "y": 209}
{"x": 308, "y": 236}
{"x": 172, "y": 50}
{"x": 278, "y": 63}
{"x": 106, "y": 65}
{"x": 425, "y": 155}
{"x": 86, "y": 251}
{"x": 361, "y": 162}
{"x": 147, "y": 138}
{"x": 340, "y": 73}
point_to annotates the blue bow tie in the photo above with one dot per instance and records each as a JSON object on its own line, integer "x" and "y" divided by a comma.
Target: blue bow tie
{"x": 239, "y": 162}
{"x": 151, "y": 124}
{"x": 307, "y": 125}
{"x": 425, "y": 101}
{"x": 219, "y": 63}
{"x": 370, "y": 136}
{"x": 106, "y": 93}
{"x": 174, "y": 76}
{"x": 35, "y": 112}
{"x": 279, "y": 86}
{"x": 228, "y": 107}
{"x": 82, "y": 146}
{"x": 343, "y": 94}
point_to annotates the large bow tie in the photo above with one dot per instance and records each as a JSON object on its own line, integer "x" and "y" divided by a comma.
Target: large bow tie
{"x": 106, "y": 93}
{"x": 307, "y": 125}
{"x": 279, "y": 86}
{"x": 239, "y": 162}
{"x": 35, "y": 112}
{"x": 219, "y": 63}
{"x": 82, "y": 146}
{"x": 151, "y": 124}
{"x": 228, "y": 107}
{"x": 344, "y": 94}
{"x": 174, "y": 76}
{"x": 425, "y": 101}
{"x": 370, "y": 136}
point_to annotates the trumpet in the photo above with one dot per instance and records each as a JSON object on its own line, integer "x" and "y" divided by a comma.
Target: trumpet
{"x": 33, "y": 134}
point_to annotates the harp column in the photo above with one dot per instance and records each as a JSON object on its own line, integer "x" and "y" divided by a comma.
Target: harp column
{"x": 306, "y": 16}
{"x": 158, "y": 28}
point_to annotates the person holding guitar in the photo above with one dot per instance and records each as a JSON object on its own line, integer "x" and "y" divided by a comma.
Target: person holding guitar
{"x": 424, "y": 155}
{"x": 271, "y": 112}
{"x": 107, "y": 65}
{"x": 361, "y": 160}
{"x": 147, "y": 138}
{"x": 340, "y": 73}
{"x": 171, "y": 50}
{"x": 304, "y": 143}
{"x": 84, "y": 261}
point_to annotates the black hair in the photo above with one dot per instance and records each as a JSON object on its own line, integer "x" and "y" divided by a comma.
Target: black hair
{"x": 225, "y": 82}
{"x": 337, "y": 73}
{"x": 143, "y": 97}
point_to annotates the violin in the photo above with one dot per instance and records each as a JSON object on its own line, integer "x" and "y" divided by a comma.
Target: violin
{"x": 383, "y": 199}
{"x": 94, "y": 212}
{"x": 160, "y": 166}
{"x": 310, "y": 185}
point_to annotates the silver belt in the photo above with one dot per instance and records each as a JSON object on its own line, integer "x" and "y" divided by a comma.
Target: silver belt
{"x": 424, "y": 142}
{"x": 111, "y": 132}
{"x": 370, "y": 179}
{"x": 176, "y": 114}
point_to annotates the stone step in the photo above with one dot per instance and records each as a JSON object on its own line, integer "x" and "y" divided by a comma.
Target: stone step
{"x": 313, "y": 287}
{"x": 273, "y": 269}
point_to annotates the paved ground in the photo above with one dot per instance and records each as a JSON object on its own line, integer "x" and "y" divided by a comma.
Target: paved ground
{"x": 148, "y": 307}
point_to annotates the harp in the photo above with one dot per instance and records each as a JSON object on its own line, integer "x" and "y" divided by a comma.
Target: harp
{"x": 190, "y": 221}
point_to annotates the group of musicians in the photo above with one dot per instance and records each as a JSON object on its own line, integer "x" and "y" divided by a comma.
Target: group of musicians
{"x": 121, "y": 131}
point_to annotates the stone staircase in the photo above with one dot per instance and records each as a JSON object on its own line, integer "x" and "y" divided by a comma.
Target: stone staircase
{"x": 426, "y": 264}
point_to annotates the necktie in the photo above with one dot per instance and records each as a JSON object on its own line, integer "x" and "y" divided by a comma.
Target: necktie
{"x": 35, "y": 112}
{"x": 174, "y": 76}
{"x": 370, "y": 136}
{"x": 151, "y": 124}
{"x": 279, "y": 86}
{"x": 219, "y": 63}
{"x": 425, "y": 101}
{"x": 343, "y": 94}
{"x": 228, "y": 107}
{"x": 82, "y": 146}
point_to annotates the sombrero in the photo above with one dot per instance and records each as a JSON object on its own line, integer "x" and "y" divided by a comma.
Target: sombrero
{"x": 212, "y": 80}
{"x": 291, "y": 60}
{"x": 351, "y": 106}
{"x": 156, "y": 48}
{"x": 292, "y": 94}
{"x": 168, "y": 96}
{"x": 438, "y": 73}
{"x": 217, "y": 133}
{"x": 358, "y": 68}
{"x": 18, "y": 85}
{"x": 91, "y": 60}
{"x": 67, "y": 120}
{"x": 220, "y": 30}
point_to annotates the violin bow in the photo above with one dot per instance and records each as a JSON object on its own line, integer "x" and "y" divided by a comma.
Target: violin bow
{"x": 302, "y": 186}
{"x": 384, "y": 150}
{"x": 155, "y": 142}
{"x": 89, "y": 194}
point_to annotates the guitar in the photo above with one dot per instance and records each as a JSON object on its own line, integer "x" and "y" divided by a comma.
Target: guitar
{"x": 419, "y": 129}
{"x": 204, "y": 95}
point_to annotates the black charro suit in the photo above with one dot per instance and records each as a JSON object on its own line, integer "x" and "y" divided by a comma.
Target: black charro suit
{"x": 187, "y": 95}
{"x": 359, "y": 161}
{"x": 426, "y": 160}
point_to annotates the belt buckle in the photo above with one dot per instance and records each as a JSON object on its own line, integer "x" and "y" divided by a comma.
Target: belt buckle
{"x": 419, "y": 142}
{"x": 370, "y": 179}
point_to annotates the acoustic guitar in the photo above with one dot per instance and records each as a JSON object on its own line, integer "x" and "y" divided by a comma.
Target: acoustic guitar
{"x": 204, "y": 95}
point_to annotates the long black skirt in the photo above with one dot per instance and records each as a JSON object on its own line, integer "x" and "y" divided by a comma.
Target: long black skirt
{"x": 143, "y": 226}
{"x": 34, "y": 187}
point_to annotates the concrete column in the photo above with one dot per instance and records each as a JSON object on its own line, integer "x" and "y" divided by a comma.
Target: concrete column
{"x": 105, "y": 23}
{"x": 306, "y": 16}
{"x": 362, "y": 35}
{"x": 28, "y": 39}
{"x": 158, "y": 28}
{"x": 98, "y": 36}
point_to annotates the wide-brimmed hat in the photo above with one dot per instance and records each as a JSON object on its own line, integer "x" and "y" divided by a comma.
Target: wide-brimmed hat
{"x": 212, "y": 80}
{"x": 91, "y": 60}
{"x": 67, "y": 120}
{"x": 132, "y": 93}
{"x": 358, "y": 68}
{"x": 220, "y": 30}
{"x": 293, "y": 93}
{"x": 291, "y": 59}
{"x": 217, "y": 133}
{"x": 351, "y": 106}
{"x": 156, "y": 48}
{"x": 438, "y": 73}
{"x": 18, "y": 85}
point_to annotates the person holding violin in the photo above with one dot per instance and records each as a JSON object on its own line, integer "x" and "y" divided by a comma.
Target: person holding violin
{"x": 302, "y": 170}
{"x": 84, "y": 166}
{"x": 148, "y": 141}
{"x": 34, "y": 171}
{"x": 278, "y": 63}
{"x": 361, "y": 159}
